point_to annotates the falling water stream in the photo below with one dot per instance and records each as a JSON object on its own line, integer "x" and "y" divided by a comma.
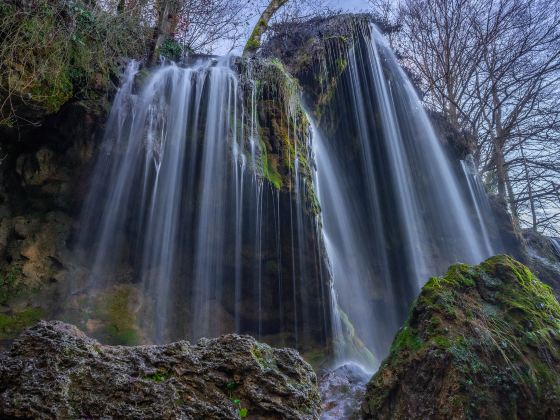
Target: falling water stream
{"x": 393, "y": 210}
{"x": 177, "y": 197}
{"x": 179, "y": 203}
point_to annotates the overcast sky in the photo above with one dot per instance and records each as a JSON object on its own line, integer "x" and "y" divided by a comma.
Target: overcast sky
{"x": 345, "y": 5}
{"x": 348, "y": 4}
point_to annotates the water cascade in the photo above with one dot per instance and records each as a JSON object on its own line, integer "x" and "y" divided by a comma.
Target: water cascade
{"x": 215, "y": 197}
{"x": 179, "y": 204}
{"x": 481, "y": 205}
{"x": 393, "y": 209}
{"x": 555, "y": 242}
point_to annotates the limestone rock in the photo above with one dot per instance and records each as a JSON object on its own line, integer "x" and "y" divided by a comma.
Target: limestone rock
{"x": 481, "y": 342}
{"x": 54, "y": 370}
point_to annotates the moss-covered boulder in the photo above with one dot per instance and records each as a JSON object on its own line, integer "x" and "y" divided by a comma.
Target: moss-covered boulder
{"x": 480, "y": 342}
{"x": 54, "y": 371}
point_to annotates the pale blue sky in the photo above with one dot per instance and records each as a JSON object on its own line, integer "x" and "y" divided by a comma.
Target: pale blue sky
{"x": 345, "y": 5}
{"x": 353, "y": 5}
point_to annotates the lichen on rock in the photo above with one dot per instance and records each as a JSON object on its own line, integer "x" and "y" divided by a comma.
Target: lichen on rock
{"x": 55, "y": 370}
{"x": 480, "y": 342}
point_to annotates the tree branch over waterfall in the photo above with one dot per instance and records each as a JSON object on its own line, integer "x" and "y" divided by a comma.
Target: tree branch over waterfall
{"x": 254, "y": 41}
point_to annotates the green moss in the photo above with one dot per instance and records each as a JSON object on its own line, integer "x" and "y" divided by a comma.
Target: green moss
{"x": 10, "y": 282}
{"x": 254, "y": 41}
{"x": 282, "y": 124}
{"x": 500, "y": 348}
{"x": 252, "y": 44}
{"x": 437, "y": 295}
{"x": 442, "y": 341}
{"x": 12, "y": 324}
{"x": 352, "y": 346}
{"x": 113, "y": 308}
{"x": 159, "y": 376}
{"x": 406, "y": 339}
{"x": 262, "y": 355}
{"x": 270, "y": 168}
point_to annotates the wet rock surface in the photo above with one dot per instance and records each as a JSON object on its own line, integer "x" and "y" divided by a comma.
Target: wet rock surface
{"x": 342, "y": 391}
{"x": 55, "y": 370}
{"x": 480, "y": 342}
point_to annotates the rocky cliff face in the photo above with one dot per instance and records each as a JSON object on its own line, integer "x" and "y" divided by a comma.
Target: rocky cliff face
{"x": 481, "y": 342}
{"x": 44, "y": 174}
{"x": 54, "y": 370}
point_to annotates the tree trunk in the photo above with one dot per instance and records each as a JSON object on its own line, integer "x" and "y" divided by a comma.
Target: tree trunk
{"x": 254, "y": 41}
{"x": 529, "y": 189}
{"x": 167, "y": 24}
{"x": 499, "y": 143}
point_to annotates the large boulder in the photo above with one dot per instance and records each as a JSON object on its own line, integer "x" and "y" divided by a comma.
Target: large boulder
{"x": 55, "y": 370}
{"x": 481, "y": 342}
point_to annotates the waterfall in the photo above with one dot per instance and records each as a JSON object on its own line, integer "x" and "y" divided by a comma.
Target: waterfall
{"x": 481, "y": 204}
{"x": 214, "y": 199}
{"x": 555, "y": 242}
{"x": 393, "y": 209}
{"x": 179, "y": 205}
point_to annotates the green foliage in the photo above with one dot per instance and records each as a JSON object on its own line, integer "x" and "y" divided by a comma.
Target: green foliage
{"x": 171, "y": 49}
{"x": 55, "y": 50}
{"x": 159, "y": 376}
{"x": 232, "y": 386}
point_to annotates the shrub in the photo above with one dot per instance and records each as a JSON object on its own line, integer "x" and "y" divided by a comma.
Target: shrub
{"x": 55, "y": 50}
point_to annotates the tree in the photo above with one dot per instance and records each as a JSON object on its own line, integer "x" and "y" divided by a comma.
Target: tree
{"x": 254, "y": 41}
{"x": 197, "y": 25}
{"x": 493, "y": 68}
{"x": 517, "y": 77}
{"x": 441, "y": 48}
{"x": 168, "y": 11}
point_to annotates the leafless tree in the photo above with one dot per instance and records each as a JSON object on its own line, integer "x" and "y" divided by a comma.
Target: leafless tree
{"x": 199, "y": 24}
{"x": 282, "y": 11}
{"x": 493, "y": 67}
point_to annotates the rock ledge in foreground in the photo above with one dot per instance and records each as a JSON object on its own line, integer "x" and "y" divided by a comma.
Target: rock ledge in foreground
{"x": 55, "y": 370}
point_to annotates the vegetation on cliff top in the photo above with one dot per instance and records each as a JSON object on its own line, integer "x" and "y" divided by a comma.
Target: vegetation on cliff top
{"x": 283, "y": 128}
{"x": 481, "y": 341}
{"x": 52, "y": 51}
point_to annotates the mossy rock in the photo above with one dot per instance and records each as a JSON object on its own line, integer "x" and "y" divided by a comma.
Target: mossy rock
{"x": 352, "y": 347}
{"x": 480, "y": 342}
{"x": 10, "y": 282}
{"x": 282, "y": 126}
{"x": 112, "y": 315}
{"x": 14, "y": 322}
